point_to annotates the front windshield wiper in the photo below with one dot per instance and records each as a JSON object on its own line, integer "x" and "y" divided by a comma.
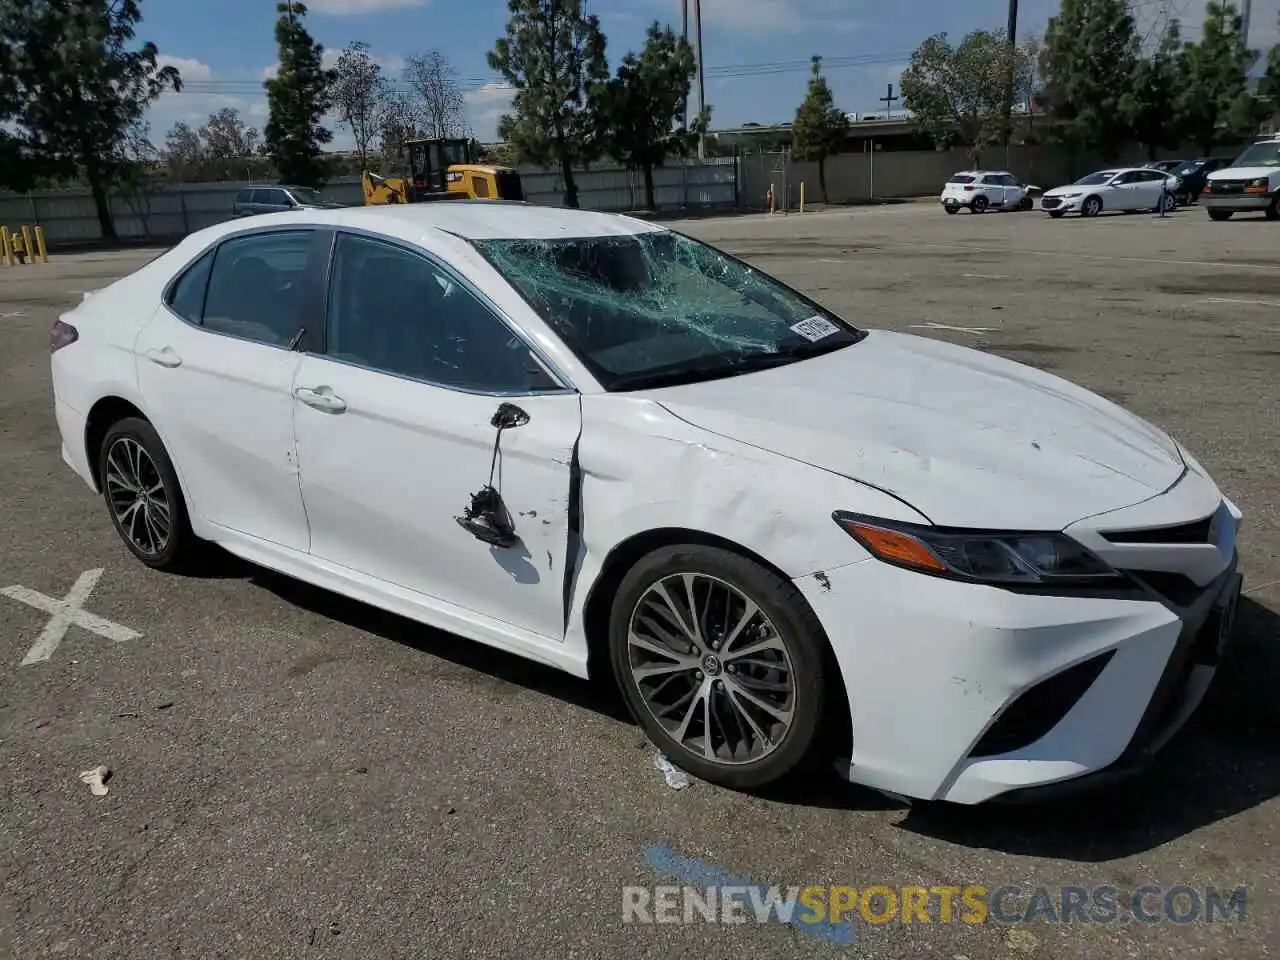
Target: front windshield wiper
{"x": 719, "y": 369}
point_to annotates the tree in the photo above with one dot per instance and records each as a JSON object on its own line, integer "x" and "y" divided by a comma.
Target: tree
{"x": 820, "y": 127}
{"x": 77, "y": 88}
{"x": 441, "y": 109}
{"x": 360, "y": 96}
{"x": 402, "y": 118}
{"x": 219, "y": 150}
{"x": 1216, "y": 105}
{"x": 553, "y": 56}
{"x": 641, "y": 110}
{"x": 1269, "y": 84}
{"x": 960, "y": 92}
{"x": 1157, "y": 85}
{"x": 298, "y": 97}
{"x": 1090, "y": 54}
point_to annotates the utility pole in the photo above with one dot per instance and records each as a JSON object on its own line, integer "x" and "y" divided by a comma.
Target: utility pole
{"x": 702, "y": 91}
{"x": 1246, "y": 8}
{"x": 888, "y": 100}
{"x": 684, "y": 33}
{"x": 1012, "y": 40}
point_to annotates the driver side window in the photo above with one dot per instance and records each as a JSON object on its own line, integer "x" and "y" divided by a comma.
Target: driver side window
{"x": 393, "y": 311}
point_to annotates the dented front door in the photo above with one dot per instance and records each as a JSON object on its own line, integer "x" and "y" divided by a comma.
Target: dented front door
{"x": 390, "y": 465}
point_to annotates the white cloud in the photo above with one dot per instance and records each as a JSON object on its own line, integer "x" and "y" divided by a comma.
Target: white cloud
{"x": 485, "y": 104}
{"x": 767, "y": 17}
{"x": 188, "y": 68}
{"x": 355, "y": 8}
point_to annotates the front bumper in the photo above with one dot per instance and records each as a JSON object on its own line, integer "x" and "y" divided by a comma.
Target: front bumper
{"x": 1235, "y": 201}
{"x": 966, "y": 693}
{"x": 1061, "y": 204}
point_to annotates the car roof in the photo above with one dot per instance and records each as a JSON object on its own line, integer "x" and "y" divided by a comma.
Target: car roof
{"x": 468, "y": 219}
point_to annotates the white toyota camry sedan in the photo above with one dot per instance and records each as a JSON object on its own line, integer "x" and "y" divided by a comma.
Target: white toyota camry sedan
{"x": 602, "y": 445}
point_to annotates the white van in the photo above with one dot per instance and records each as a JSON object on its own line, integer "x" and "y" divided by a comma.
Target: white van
{"x": 1250, "y": 184}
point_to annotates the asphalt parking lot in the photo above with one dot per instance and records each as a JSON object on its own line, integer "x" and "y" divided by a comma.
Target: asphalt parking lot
{"x": 296, "y": 775}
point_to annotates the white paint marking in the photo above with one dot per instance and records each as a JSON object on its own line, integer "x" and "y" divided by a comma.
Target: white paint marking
{"x": 984, "y": 276}
{"x": 6, "y": 316}
{"x": 945, "y": 326}
{"x": 1078, "y": 256}
{"x": 1255, "y": 303}
{"x": 66, "y": 613}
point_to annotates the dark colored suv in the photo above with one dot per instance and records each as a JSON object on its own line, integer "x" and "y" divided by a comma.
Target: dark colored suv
{"x": 1194, "y": 173}
{"x": 273, "y": 199}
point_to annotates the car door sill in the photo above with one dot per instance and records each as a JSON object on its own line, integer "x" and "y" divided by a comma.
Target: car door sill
{"x": 406, "y": 603}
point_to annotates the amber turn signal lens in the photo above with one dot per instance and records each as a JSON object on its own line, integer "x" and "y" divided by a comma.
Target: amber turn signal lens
{"x": 895, "y": 547}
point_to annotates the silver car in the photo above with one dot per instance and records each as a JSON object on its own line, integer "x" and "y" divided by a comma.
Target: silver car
{"x": 273, "y": 199}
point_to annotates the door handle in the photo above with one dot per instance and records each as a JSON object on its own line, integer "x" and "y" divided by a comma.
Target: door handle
{"x": 164, "y": 356}
{"x": 322, "y": 398}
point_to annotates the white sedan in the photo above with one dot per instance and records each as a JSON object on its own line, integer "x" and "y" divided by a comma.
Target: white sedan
{"x": 607, "y": 447}
{"x": 1124, "y": 189}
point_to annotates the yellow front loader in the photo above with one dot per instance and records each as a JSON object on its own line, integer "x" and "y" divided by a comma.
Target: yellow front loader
{"x": 442, "y": 169}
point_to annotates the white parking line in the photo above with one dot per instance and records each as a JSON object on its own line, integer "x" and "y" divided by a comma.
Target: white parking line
{"x": 6, "y": 316}
{"x": 1256, "y": 303}
{"x": 1079, "y": 256}
{"x": 984, "y": 276}
{"x": 65, "y": 613}
{"x": 944, "y": 326}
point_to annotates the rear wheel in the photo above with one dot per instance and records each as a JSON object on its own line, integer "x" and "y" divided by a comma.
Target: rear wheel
{"x": 1220, "y": 214}
{"x": 951, "y": 208}
{"x": 979, "y": 204}
{"x": 1273, "y": 209}
{"x": 721, "y": 662}
{"x": 142, "y": 494}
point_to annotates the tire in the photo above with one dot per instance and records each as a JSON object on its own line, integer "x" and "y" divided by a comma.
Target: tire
{"x": 118, "y": 458}
{"x": 1057, "y": 214}
{"x": 1220, "y": 214}
{"x": 709, "y": 675}
{"x": 1091, "y": 207}
{"x": 951, "y": 209}
{"x": 979, "y": 204}
{"x": 1273, "y": 209}
{"x": 1170, "y": 203}
{"x": 1026, "y": 203}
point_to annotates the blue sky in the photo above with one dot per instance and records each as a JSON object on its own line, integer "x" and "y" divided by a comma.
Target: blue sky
{"x": 756, "y": 51}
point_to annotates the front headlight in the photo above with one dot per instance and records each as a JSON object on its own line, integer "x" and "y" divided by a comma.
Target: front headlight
{"x": 1069, "y": 196}
{"x": 996, "y": 557}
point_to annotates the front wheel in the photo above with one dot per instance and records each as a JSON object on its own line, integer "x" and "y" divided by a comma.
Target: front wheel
{"x": 143, "y": 496}
{"x": 1273, "y": 209}
{"x": 722, "y": 662}
{"x": 1091, "y": 207}
{"x": 1220, "y": 214}
{"x": 1057, "y": 214}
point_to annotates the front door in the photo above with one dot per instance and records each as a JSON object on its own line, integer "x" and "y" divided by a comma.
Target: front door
{"x": 395, "y": 436}
{"x": 216, "y": 370}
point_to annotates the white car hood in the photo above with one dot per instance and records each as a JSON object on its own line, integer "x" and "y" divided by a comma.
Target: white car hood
{"x": 968, "y": 439}
{"x": 1243, "y": 173}
{"x": 1072, "y": 188}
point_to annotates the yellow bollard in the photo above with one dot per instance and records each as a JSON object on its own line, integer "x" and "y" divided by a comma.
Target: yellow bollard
{"x": 28, "y": 244}
{"x": 6, "y": 249}
{"x": 802, "y": 196}
{"x": 44, "y": 251}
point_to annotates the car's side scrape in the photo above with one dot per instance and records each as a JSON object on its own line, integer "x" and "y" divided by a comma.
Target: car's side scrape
{"x": 641, "y": 472}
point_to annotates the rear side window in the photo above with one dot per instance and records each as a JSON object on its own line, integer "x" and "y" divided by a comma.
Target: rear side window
{"x": 961, "y": 178}
{"x": 186, "y": 299}
{"x": 244, "y": 196}
{"x": 255, "y": 286}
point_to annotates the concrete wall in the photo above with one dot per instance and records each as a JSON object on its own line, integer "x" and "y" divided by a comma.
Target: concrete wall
{"x": 174, "y": 210}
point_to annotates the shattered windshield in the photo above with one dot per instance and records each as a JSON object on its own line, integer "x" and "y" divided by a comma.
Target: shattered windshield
{"x": 657, "y": 309}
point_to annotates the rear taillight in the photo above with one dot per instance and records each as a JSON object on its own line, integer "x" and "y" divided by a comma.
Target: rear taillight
{"x": 63, "y": 334}
{"x": 968, "y": 189}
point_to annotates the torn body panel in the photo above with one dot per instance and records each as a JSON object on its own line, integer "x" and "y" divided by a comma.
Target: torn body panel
{"x": 643, "y": 469}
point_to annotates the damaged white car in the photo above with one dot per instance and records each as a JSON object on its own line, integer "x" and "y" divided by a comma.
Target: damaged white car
{"x": 604, "y": 446}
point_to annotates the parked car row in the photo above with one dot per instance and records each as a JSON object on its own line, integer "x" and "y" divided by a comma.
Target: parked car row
{"x": 1225, "y": 186}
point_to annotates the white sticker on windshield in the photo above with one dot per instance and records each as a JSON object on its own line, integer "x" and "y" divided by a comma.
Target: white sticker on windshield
{"x": 815, "y": 328}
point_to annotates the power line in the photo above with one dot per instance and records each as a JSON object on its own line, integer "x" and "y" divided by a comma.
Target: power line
{"x": 721, "y": 72}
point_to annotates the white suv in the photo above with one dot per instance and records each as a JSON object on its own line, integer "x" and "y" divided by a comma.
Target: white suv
{"x": 983, "y": 190}
{"x": 1251, "y": 183}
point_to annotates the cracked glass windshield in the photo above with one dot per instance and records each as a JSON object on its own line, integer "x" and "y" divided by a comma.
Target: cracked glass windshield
{"x": 658, "y": 309}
